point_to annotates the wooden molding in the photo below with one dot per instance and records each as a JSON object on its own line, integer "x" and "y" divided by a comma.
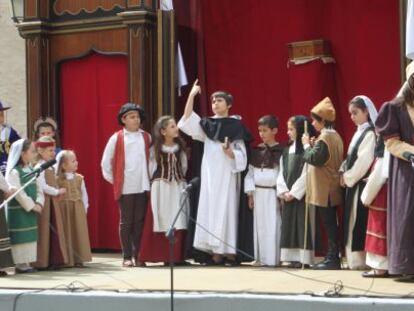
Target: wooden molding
{"x": 75, "y": 7}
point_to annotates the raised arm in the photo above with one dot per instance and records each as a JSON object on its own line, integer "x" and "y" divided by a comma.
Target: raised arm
{"x": 189, "y": 106}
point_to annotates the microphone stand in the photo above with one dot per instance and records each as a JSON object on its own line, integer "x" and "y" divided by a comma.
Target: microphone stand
{"x": 20, "y": 190}
{"x": 170, "y": 234}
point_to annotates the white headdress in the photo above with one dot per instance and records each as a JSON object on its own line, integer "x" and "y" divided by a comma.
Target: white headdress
{"x": 58, "y": 161}
{"x": 14, "y": 156}
{"x": 372, "y": 110}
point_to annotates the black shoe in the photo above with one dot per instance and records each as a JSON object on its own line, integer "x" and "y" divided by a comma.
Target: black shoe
{"x": 328, "y": 264}
{"x": 231, "y": 262}
{"x": 295, "y": 265}
{"x": 210, "y": 263}
{"x": 405, "y": 279}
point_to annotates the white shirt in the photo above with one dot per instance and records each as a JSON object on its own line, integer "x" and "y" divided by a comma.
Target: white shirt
{"x": 365, "y": 156}
{"x": 136, "y": 172}
{"x": 299, "y": 186}
{"x": 42, "y": 182}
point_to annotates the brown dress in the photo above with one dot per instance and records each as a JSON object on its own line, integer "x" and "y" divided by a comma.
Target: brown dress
{"x": 51, "y": 244}
{"x": 74, "y": 221}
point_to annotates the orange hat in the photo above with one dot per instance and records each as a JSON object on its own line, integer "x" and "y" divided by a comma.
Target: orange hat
{"x": 325, "y": 110}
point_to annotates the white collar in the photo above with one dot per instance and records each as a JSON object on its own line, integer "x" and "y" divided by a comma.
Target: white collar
{"x": 69, "y": 175}
{"x": 170, "y": 149}
{"x": 126, "y": 132}
{"x": 325, "y": 130}
{"x": 363, "y": 126}
{"x": 235, "y": 116}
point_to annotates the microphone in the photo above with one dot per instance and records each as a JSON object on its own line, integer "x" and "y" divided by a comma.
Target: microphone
{"x": 409, "y": 157}
{"x": 41, "y": 168}
{"x": 194, "y": 183}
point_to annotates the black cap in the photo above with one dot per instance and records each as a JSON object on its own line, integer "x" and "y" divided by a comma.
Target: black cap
{"x": 3, "y": 107}
{"x": 130, "y": 107}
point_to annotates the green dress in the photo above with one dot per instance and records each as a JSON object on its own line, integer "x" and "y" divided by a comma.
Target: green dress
{"x": 293, "y": 215}
{"x": 23, "y": 224}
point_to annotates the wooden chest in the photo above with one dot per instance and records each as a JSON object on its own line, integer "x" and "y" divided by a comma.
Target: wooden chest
{"x": 309, "y": 49}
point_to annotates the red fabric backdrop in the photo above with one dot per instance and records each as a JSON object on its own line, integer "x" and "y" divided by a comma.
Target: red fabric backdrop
{"x": 239, "y": 46}
{"x": 244, "y": 45}
{"x": 91, "y": 91}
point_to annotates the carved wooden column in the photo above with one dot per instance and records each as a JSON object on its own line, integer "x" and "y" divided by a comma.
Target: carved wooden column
{"x": 33, "y": 29}
{"x": 141, "y": 24}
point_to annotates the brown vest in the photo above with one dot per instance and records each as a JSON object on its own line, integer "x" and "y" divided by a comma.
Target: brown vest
{"x": 73, "y": 188}
{"x": 50, "y": 178}
{"x": 169, "y": 168}
{"x": 323, "y": 181}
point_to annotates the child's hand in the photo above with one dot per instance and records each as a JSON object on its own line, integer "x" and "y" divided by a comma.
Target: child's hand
{"x": 312, "y": 141}
{"x": 228, "y": 151}
{"x": 305, "y": 139}
{"x": 342, "y": 181}
{"x": 9, "y": 193}
{"x": 289, "y": 197}
{"x": 62, "y": 191}
{"x": 250, "y": 200}
{"x": 37, "y": 208}
{"x": 196, "y": 89}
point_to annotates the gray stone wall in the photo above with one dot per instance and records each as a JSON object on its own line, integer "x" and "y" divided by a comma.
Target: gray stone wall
{"x": 12, "y": 70}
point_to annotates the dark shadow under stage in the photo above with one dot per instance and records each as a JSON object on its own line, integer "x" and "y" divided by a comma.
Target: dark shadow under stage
{"x": 104, "y": 282}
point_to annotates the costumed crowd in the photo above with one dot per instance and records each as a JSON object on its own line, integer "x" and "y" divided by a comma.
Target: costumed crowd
{"x": 273, "y": 204}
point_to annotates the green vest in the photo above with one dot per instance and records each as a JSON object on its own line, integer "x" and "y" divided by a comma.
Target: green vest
{"x": 22, "y": 224}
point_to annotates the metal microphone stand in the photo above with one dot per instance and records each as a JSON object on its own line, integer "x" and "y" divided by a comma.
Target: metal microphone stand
{"x": 170, "y": 235}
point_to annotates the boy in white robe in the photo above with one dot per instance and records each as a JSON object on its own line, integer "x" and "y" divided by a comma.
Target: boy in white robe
{"x": 223, "y": 159}
{"x": 260, "y": 186}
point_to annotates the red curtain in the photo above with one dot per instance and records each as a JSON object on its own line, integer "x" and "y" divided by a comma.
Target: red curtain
{"x": 91, "y": 91}
{"x": 244, "y": 46}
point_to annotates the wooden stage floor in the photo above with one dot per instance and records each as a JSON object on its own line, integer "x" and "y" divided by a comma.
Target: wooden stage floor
{"x": 106, "y": 273}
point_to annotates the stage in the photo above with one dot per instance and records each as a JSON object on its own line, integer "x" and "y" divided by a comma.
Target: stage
{"x": 104, "y": 281}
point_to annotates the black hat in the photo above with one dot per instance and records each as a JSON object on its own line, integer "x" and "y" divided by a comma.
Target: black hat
{"x": 130, "y": 107}
{"x": 3, "y": 107}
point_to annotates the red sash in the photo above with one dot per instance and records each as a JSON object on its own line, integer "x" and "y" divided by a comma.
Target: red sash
{"x": 118, "y": 162}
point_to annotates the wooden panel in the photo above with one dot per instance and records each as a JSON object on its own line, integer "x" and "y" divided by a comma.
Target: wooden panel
{"x": 136, "y": 69}
{"x": 142, "y": 87}
{"x": 38, "y": 78}
{"x": 150, "y": 4}
{"x": 75, "y": 7}
{"x": 30, "y": 9}
{"x": 133, "y": 3}
{"x": 77, "y": 44}
{"x": 44, "y": 9}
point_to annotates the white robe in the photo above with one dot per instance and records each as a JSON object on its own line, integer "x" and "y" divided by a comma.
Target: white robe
{"x": 356, "y": 259}
{"x": 218, "y": 205}
{"x": 298, "y": 190}
{"x": 165, "y": 196}
{"x": 267, "y": 216}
